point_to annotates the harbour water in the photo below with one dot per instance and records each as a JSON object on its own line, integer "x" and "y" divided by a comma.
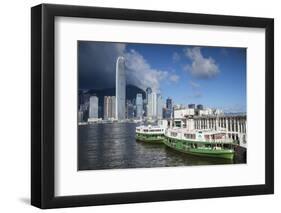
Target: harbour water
{"x": 113, "y": 146}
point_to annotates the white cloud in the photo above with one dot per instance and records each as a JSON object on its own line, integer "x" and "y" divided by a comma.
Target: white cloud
{"x": 140, "y": 73}
{"x": 174, "y": 78}
{"x": 200, "y": 67}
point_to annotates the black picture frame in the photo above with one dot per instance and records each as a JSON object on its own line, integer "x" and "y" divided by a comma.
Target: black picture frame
{"x": 43, "y": 110}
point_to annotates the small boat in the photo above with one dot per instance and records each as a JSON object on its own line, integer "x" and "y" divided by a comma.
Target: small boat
{"x": 153, "y": 134}
{"x": 209, "y": 143}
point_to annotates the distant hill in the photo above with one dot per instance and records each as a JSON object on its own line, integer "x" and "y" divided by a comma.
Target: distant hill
{"x": 131, "y": 93}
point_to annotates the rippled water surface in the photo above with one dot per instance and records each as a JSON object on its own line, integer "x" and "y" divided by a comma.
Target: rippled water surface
{"x": 113, "y": 146}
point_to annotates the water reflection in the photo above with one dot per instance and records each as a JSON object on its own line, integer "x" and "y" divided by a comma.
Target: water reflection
{"x": 113, "y": 146}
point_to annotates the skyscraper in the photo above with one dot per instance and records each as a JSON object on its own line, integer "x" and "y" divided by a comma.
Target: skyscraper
{"x": 80, "y": 116}
{"x": 149, "y": 106}
{"x": 139, "y": 105}
{"x": 93, "y": 107}
{"x": 153, "y": 107}
{"x": 200, "y": 107}
{"x": 113, "y": 107}
{"x": 129, "y": 109}
{"x": 191, "y": 106}
{"x": 109, "y": 107}
{"x": 106, "y": 107}
{"x": 154, "y": 104}
{"x": 169, "y": 108}
{"x": 169, "y": 103}
{"x": 148, "y": 92}
{"x": 120, "y": 88}
{"x": 159, "y": 113}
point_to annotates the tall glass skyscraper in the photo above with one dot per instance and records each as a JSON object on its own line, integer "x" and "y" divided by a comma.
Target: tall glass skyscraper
{"x": 159, "y": 107}
{"x": 139, "y": 105}
{"x": 147, "y": 101}
{"x": 120, "y": 88}
{"x": 109, "y": 107}
{"x": 148, "y": 91}
{"x": 93, "y": 107}
{"x": 169, "y": 108}
{"x": 149, "y": 106}
{"x": 154, "y": 104}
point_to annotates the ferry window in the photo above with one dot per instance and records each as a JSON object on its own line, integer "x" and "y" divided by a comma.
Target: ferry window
{"x": 174, "y": 134}
{"x": 190, "y": 136}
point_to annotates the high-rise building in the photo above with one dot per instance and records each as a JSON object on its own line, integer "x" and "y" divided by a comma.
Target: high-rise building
{"x": 83, "y": 97}
{"x": 148, "y": 101}
{"x": 165, "y": 113}
{"x": 80, "y": 116}
{"x": 200, "y": 106}
{"x": 145, "y": 107}
{"x": 191, "y": 106}
{"x": 84, "y": 108}
{"x": 139, "y": 105}
{"x": 106, "y": 107}
{"x": 148, "y": 91}
{"x": 109, "y": 107}
{"x": 93, "y": 107}
{"x": 169, "y": 103}
{"x": 169, "y": 108}
{"x": 149, "y": 106}
{"x": 120, "y": 88}
{"x": 113, "y": 107}
{"x": 154, "y": 104}
{"x": 129, "y": 109}
{"x": 159, "y": 113}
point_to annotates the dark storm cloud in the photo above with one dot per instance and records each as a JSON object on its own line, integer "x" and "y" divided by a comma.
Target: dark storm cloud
{"x": 96, "y": 64}
{"x": 97, "y": 61}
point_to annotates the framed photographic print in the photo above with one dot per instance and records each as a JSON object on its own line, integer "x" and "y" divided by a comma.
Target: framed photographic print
{"x": 140, "y": 106}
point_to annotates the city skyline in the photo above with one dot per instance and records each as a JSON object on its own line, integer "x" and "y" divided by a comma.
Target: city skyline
{"x": 149, "y": 107}
{"x": 212, "y": 76}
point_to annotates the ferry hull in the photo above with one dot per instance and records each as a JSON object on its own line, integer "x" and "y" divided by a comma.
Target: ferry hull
{"x": 148, "y": 139}
{"x": 225, "y": 154}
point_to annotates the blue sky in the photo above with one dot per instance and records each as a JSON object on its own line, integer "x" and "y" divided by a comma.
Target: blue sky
{"x": 212, "y": 76}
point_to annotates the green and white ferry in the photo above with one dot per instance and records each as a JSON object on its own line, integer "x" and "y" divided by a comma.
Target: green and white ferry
{"x": 209, "y": 143}
{"x": 151, "y": 134}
